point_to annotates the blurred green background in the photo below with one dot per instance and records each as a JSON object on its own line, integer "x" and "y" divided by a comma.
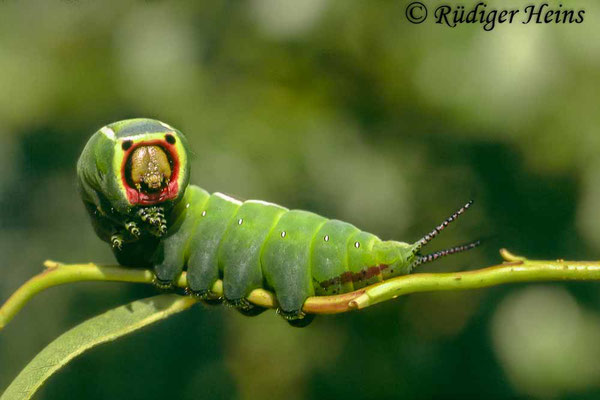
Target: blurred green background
{"x": 343, "y": 108}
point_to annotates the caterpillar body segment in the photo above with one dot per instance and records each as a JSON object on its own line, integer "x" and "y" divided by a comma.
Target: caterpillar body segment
{"x": 243, "y": 246}
{"x": 133, "y": 177}
{"x": 286, "y": 259}
{"x": 330, "y": 253}
{"x": 173, "y": 252}
{"x": 212, "y": 220}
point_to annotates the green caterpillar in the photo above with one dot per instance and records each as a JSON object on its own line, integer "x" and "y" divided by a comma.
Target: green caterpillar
{"x": 133, "y": 178}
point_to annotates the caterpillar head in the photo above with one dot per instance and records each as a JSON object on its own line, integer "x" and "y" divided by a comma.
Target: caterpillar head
{"x": 132, "y": 164}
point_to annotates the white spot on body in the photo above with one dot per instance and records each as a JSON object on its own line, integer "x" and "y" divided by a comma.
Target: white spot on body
{"x": 282, "y": 234}
{"x": 203, "y": 213}
{"x": 240, "y": 221}
{"x": 187, "y": 205}
{"x": 166, "y": 125}
{"x": 326, "y": 238}
{"x": 144, "y": 136}
{"x": 264, "y": 203}
{"x": 109, "y": 133}
{"x": 356, "y": 244}
{"x": 228, "y": 198}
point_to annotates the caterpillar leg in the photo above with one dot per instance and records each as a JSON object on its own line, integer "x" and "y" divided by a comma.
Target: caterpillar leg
{"x": 302, "y": 322}
{"x": 244, "y": 307}
{"x": 169, "y": 259}
{"x": 292, "y": 287}
{"x": 252, "y": 312}
{"x": 154, "y": 218}
{"x": 297, "y": 318}
{"x": 136, "y": 254}
{"x": 201, "y": 275}
{"x": 290, "y": 304}
{"x": 131, "y": 233}
{"x": 206, "y": 295}
{"x": 213, "y": 301}
{"x": 238, "y": 283}
{"x": 133, "y": 229}
{"x": 116, "y": 241}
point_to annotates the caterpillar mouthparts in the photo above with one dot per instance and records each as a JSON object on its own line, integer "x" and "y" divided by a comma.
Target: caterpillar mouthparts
{"x": 149, "y": 168}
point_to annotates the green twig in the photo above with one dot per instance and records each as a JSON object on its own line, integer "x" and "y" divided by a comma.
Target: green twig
{"x": 514, "y": 269}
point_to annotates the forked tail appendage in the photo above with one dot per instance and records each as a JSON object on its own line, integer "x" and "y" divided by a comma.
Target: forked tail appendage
{"x": 453, "y": 250}
{"x": 427, "y": 238}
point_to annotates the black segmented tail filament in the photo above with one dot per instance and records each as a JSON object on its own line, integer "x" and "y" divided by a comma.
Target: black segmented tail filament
{"x": 427, "y": 238}
{"x": 434, "y": 256}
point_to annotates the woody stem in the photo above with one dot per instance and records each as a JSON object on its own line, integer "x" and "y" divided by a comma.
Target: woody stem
{"x": 514, "y": 269}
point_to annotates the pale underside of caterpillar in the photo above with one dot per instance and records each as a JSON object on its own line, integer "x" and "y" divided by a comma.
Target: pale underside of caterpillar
{"x": 133, "y": 178}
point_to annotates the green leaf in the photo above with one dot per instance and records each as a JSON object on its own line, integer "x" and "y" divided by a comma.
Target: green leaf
{"x": 100, "y": 329}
